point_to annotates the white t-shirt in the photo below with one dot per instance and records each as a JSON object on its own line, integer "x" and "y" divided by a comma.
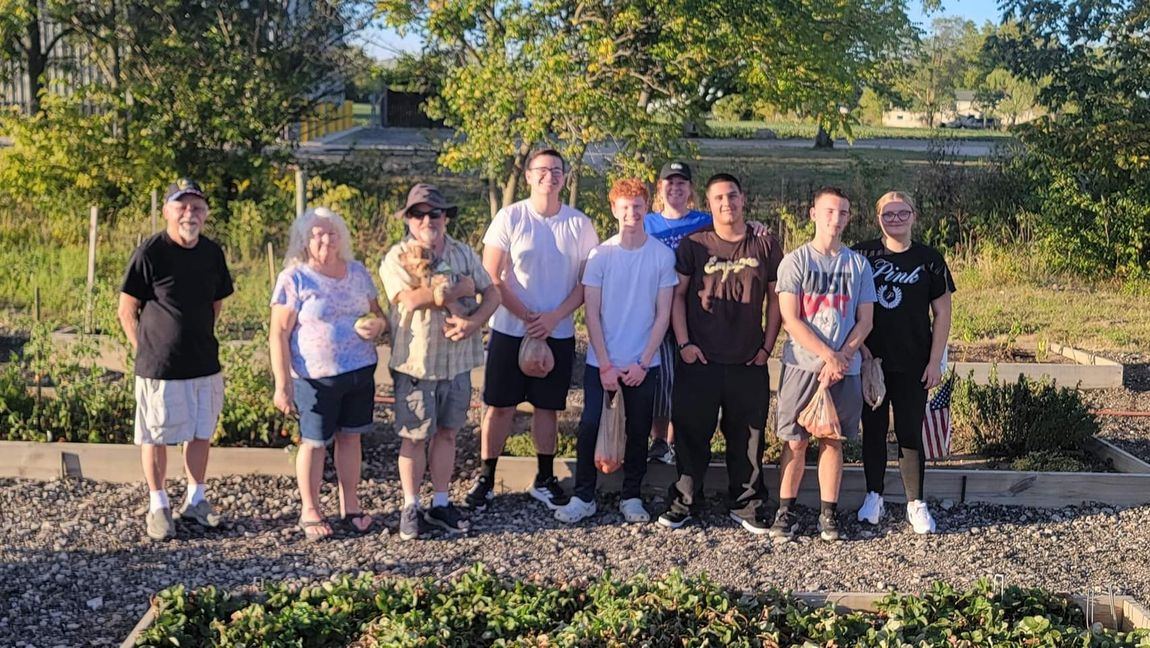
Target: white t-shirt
{"x": 545, "y": 257}
{"x": 630, "y": 281}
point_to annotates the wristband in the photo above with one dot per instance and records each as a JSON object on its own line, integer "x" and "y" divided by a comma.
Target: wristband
{"x": 685, "y": 345}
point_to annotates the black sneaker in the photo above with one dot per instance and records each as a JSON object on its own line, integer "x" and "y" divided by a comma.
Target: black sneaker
{"x": 673, "y": 519}
{"x": 661, "y": 452}
{"x": 752, "y": 524}
{"x": 550, "y": 493}
{"x": 480, "y": 495}
{"x": 447, "y": 518}
{"x": 828, "y": 527}
{"x": 786, "y": 523}
{"x": 409, "y": 523}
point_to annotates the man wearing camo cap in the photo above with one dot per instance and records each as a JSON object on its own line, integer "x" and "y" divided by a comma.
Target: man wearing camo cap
{"x": 169, "y": 303}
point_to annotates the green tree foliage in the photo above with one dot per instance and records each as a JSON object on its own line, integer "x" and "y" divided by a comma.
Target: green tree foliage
{"x": 1089, "y": 158}
{"x": 181, "y": 90}
{"x": 632, "y": 73}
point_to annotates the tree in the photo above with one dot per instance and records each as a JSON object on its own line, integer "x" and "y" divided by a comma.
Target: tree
{"x": 25, "y": 47}
{"x": 630, "y": 73}
{"x": 1012, "y": 96}
{"x": 210, "y": 91}
{"x": 935, "y": 68}
{"x": 1089, "y": 156}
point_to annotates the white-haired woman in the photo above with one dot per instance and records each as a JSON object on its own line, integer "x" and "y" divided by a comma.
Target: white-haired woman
{"x": 323, "y": 358}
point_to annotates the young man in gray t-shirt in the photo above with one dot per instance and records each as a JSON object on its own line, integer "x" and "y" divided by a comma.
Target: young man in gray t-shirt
{"x": 826, "y": 295}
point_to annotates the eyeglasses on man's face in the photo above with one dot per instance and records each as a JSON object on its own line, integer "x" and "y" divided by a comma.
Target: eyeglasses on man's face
{"x": 433, "y": 214}
{"x": 900, "y": 216}
{"x": 554, "y": 171}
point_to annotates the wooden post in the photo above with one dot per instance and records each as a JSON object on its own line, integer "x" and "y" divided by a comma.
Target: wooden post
{"x": 39, "y": 358}
{"x": 155, "y": 208}
{"x": 271, "y": 265}
{"x": 300, "y": 192}
{"x": 94, "y": 217}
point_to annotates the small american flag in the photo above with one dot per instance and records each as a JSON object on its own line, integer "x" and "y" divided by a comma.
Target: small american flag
{"x": 936, "y": 424}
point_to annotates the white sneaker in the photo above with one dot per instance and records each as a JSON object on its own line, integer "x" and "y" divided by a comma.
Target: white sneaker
{"x": 872, "y": 508}
{"x": 575, "y": 510}
{"x": 633, "y": 511}
{"x": 919, "y": 517}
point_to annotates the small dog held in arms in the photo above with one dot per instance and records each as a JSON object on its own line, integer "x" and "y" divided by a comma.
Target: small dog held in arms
{"x": 428, "y": 271}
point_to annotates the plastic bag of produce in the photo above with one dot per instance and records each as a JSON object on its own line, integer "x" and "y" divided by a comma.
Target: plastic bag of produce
{"x": 612, "y": 442}
{"x": 820, "y": 418}
{"x": 535, "y": 358}
{"x": 873, "y": 385}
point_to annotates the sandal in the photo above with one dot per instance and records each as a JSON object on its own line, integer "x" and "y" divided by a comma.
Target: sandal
{"x": 314, "y": 530}
{"x": 350, "y": 520}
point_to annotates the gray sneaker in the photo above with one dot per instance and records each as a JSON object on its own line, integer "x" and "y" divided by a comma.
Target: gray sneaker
{"x": 202, "y": 514}
{"x": 409, "y": 523}
{"x": 160, "y": 525}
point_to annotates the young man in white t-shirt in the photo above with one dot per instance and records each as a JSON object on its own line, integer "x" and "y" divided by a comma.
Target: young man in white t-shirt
{"x": 628, "y": 286}
{"x": 535, "y": 251}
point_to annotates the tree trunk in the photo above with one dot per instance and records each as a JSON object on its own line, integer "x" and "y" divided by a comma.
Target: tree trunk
{"x": 36, "y": 58}
{"x": 493, "y": 195}
{"x": 573, "y": 176}
{"x": 823, "y": 139}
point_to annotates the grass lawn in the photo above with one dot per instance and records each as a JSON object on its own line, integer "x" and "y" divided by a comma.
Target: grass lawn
{"x": 361, "y": 115}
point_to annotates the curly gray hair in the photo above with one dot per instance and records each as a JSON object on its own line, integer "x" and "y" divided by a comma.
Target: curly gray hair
{"x": 297, "y": 252}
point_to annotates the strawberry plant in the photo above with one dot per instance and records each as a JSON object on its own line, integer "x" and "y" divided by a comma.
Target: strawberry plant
{"x": 479, "y": 609}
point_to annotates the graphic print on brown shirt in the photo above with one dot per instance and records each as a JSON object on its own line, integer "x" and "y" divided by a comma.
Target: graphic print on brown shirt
{"x": 727, "y": 284}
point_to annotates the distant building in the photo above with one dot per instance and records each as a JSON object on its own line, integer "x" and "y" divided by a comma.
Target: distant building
{"x": 965, "y": 106}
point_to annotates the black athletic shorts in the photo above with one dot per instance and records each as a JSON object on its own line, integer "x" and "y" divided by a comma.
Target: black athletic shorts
{"x": 504, "y": 385}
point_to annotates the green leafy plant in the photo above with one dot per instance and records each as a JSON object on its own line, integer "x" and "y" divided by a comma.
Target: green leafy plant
{"x": 1010, "y": 420}
{"x": 478, "y": 609}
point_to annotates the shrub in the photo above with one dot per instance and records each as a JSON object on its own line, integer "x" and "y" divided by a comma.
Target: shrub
{"x": 733, "y": 108}
{"x": 1010, "y": 420}
{"x": 1049, "y": 461}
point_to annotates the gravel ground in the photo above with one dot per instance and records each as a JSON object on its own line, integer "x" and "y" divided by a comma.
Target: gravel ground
{"x": 1131, "y": 433}
{"x": 77, "y": 570}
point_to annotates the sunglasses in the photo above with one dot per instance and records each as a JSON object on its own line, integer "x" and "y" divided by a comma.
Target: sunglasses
{"x": 433, "y": 214}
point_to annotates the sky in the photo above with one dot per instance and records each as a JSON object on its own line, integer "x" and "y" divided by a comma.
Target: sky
{"x": 385, "y": 44}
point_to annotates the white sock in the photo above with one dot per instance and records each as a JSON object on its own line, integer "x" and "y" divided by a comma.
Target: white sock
{"x": 157, "y": 499}
{"x": 440, "y": 499}
{"x": 196, "y": 493}
{"x": 408, "y": 500}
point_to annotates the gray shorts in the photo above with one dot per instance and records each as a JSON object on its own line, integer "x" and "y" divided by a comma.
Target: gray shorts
{"x": 177, "y": 411}
{"x": 422, "y": 406}
{"x": 797, "y": 387}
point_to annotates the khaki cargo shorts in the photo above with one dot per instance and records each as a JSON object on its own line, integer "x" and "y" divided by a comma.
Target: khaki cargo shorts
{"x": 170, "y": 412}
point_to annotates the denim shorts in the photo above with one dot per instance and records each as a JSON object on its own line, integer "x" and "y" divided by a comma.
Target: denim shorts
{"x": 343, "y": 403}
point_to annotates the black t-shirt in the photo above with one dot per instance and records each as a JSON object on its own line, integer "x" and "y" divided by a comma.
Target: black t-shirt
{"x": 905, "y": 283}
{"x": 177, "y": 286}
{"x": 728, "y": 283}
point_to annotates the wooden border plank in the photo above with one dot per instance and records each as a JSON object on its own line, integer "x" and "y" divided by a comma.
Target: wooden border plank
{"x": 1082, "y": 376}
{"x": 145, "y": 622}
{"x": 120, "y": 463}
{"x": 1121, "y": 460}
{"x": 1006, "y": 487}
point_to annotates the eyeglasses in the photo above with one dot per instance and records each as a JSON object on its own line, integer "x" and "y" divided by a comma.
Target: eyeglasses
{"x": 433, "y": 214}
{"x": 555, "y": 171}
{"x": 330, "y": 235}
{"x": 898, "y": 216}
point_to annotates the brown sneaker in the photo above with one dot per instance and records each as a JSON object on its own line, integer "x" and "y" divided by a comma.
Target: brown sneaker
{"x": 160, "y": 525}
{"x": 202, "y": 513}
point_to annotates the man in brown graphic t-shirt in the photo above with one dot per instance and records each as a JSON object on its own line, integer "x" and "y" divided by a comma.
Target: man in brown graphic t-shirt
{"x": 726, "y": 279}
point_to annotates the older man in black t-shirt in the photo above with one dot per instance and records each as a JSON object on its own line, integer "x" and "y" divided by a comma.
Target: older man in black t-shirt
{"x": 726, "y": 278}
{"x": 171, "y": 297}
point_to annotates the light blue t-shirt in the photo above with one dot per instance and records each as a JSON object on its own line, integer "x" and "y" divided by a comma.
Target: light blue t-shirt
{"x": 672, "y": 230}
{"x": 324, "y": 342}
{"x": 830, "y": 289}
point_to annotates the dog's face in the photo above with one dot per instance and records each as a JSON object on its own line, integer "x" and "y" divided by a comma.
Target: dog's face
{"x": 416, "y": 260}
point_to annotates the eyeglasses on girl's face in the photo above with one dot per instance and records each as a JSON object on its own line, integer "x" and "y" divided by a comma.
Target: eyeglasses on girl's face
{"x": 900, "y": 216}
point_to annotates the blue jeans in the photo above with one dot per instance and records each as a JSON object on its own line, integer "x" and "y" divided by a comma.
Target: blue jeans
{"x": 639, "y": 408}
